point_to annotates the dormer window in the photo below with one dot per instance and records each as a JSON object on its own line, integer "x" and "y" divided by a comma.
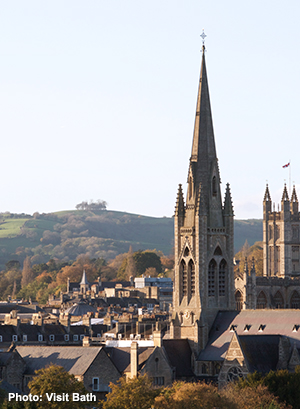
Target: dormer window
{"x": 295, "y": 328}
{"x": 233, "y": 328}
{"x": 247, "y": 327}
{"x": 261, "y": 328}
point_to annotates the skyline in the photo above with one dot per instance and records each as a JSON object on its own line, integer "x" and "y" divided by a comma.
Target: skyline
{"x": 98, "y": 101}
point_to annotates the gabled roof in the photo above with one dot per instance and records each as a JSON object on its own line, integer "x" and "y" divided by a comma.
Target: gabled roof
{"x": 121, "y": 357}
{"x": 75, "y": 360}
{"x": 180, "y": 356}
{"x": 261, "y": 352}
{"x": 249, "y": 322}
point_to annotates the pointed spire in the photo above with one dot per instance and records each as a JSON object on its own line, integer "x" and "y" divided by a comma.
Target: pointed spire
{"x": 294, "y": 195}
{"x": 84, "y": 279}
{"x": 294, "y": 202}
{"x": 285, "y": 196}
{"x": 228, "y": 206}
{"x": 179, "y": 207}
{"x": 203, "y": 142}
{"x": 267, "y": 197}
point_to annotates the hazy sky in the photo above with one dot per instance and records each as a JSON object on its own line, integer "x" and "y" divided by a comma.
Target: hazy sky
{"x": 97, "y": 100}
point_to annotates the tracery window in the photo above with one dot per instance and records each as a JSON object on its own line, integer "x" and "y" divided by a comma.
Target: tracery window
{"x": 184, "y": 278}
{"x": 211, "y": 278}
{"x": 278, "y": 300}
{"x": 222, "y": 277}
{"x": 192, "y": 276}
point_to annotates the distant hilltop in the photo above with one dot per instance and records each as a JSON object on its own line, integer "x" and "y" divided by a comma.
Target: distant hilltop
{"x": 102, "y": 233}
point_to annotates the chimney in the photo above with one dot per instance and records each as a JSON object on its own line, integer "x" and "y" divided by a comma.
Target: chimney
{"x": 157, "y": 339}
{"x": 64, "y": 320}
{"x": 134, "y": 359}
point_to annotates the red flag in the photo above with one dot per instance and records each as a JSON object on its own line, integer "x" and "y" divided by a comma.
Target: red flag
{"x": 286, "y": 166}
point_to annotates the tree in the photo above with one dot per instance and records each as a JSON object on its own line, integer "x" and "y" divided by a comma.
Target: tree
{"x": 55, "y": 379}
{"x": 136, "y": 393}
{"x": 27, "y": 274}
{"x": 130, "y": 269}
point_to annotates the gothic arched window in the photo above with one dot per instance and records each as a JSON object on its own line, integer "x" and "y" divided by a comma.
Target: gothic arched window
{"x": 222, "y": 277}
{"x": 261, "y": 300}
{"x": 211, "y": 278}
{"x": 192, "y": 276}
{"x": 278, "y": 300}
{"x": 239, "y": 300}
{"x": 183, "y": 277}
{"x": 295, "y": 300}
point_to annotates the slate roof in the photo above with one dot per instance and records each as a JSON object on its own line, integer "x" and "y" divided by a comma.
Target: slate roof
{"x": 75, "y": 360}
{"x": 180, "y": 356}
{"x": 121, "y": 357}
{"x": 274, "y": 322}
{"x": 261, "y": 352}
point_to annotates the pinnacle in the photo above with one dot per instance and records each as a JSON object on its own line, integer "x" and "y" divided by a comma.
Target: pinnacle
{"x": 294, "y": 197}
{"x": 267, "y": 197}
{"x": 179, "y": 207}
{"x": 228, "y": 206}
{"x": 285, "y": 196}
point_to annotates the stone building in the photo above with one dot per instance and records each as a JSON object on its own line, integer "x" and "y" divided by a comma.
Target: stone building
{"x": 280, "y": 285}
{"x": 204, "y": 280}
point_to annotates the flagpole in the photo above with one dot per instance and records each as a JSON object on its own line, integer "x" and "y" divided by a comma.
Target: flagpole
{"x": 290, "y": 176}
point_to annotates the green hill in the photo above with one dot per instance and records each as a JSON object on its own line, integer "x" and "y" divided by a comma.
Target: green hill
{"x": 65, "y": 235}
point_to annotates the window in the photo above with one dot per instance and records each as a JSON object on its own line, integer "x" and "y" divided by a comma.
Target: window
{"x": 261, "y": 300}
{"x": 192, "y": 276}
{"x": 184, "y": 277}
{"x": 295, "y": 300}
{"x": 24, "y": 338}
{"x": 1, "y": 338}
{"x": 278, "y": 300}
{"x": 222, "y": 277}
{"x": 66, "y": 337}
{"x": 158, "y": 380}
{"x": 40, "y": 337}
{"x": 239, "y": 300}
{"x": 211, "y": 278}
{"x": 51, "y": 337}
{"x": 81, "y": 337}
{"x": 15, "y": 338}
{"x": 99, "y": 335}
{"x": 75, "y": 337}
{"x": 95, "y": 384}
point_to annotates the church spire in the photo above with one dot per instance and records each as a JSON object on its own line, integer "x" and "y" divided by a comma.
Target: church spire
{"x": 203, "y": 148}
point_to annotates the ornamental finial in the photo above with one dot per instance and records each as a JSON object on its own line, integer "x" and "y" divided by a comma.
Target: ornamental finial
{"x": 203, "y": 35}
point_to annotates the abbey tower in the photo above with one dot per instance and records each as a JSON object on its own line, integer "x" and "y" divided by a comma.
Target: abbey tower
{"x": 204, "y": 279}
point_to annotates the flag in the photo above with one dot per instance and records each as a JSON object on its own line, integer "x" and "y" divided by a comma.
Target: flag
{"x": 286, "y": 166}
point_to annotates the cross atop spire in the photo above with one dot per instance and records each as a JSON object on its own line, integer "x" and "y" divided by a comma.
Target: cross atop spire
{"x": 203, "y": 35}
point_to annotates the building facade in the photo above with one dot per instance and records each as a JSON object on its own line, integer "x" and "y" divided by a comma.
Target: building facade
{"x": 204, "y": 280}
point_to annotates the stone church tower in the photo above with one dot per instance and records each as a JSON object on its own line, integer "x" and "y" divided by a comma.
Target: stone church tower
{"x": 281, "y": 236}
{"x": 204, "y": 279}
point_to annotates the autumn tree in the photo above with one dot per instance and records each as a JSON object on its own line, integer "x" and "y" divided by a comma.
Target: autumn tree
{"x": 27, "y": 274}
{"x": 135, "y": 393}
{"x": 55, "y": 379}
